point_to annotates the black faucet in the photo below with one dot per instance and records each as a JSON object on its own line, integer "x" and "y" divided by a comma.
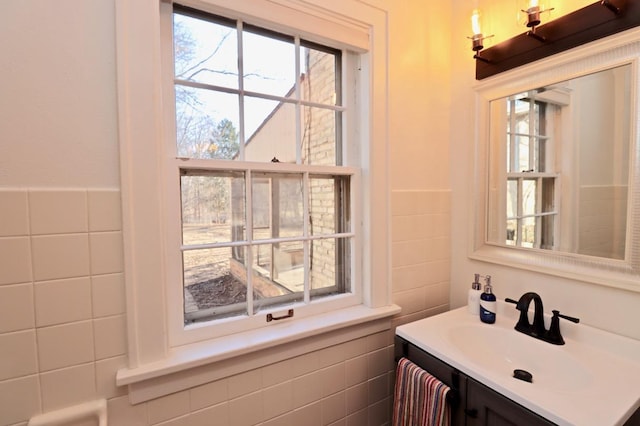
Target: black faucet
{"x": 537, "y": 329}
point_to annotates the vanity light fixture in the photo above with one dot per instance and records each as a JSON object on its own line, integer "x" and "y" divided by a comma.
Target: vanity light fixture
{"x": 597, "y": 20}
{"x": 477, "y": 40}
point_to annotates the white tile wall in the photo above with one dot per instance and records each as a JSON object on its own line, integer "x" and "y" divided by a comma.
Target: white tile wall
{"x": 106, "y": 253}
{"x": 14, "y": 216}
{"x": 58, "y": 212}
{"x": 168, "y": 407}
{"x": 19, "y": 399}
{"x": 15, "y": 260}
{"x": 73, "y": 301}
{"x": 17, "y": 354}
{"x": 62, "y": 322}
{"x": 104, "y": 210}
{"x": 110, "y": 335}
{"x": 16, "y": 307}
{"x": 208, "y": 395}
{"x": 65, "y": 345}
{"x": 67, "y": 386}
{"x": 50, "y": 298}
{"x": 277, "y": 400}
{"x": 106, "y": 295}
{"x": 60, "y": 256}
{"x": 421, "y": 253}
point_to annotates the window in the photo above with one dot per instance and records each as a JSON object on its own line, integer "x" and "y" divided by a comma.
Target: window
{"x": 252, "y": 238}
{"x": 319, "y": 210}
{"x": 531, "y": 205}
{"x": 264, "y": 186}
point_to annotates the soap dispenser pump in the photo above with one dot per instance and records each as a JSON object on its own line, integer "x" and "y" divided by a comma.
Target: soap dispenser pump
{"x": 488, "y": 303}
{"x": 473, "y": 300}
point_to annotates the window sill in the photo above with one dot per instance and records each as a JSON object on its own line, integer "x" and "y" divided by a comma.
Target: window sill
{"x": 198, "y": 363}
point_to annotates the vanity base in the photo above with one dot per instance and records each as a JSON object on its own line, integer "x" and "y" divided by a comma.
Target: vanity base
{"x": 472, "y": 403}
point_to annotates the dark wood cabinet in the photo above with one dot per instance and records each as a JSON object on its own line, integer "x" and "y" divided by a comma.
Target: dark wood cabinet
{"x": 488, "y": 407}
{"x": 472, "y": 403}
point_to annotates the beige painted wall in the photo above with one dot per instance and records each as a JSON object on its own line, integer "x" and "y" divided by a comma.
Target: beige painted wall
{"x": 419, "y": 96}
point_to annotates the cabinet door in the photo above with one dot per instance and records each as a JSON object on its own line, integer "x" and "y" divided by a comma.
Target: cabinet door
{"x": 486, "y": 407}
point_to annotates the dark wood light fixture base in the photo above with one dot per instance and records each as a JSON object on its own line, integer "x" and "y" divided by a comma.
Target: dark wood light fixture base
{"x": 598, "y": 20}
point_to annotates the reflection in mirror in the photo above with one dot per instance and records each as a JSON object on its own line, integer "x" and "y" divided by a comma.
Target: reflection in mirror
{"x": 559, "y": 166}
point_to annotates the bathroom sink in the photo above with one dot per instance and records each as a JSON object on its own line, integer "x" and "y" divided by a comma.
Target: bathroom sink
{"x": 599, "y": 369}
{"x": 550, "y": 366}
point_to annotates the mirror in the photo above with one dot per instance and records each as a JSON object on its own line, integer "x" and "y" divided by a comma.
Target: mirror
{"x": 557, "y": 165}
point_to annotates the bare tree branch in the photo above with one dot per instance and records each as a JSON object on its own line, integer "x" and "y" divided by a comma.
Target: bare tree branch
{"x": 220, "y": 43}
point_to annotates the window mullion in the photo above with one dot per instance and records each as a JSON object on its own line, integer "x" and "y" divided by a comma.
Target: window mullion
{"x": 298, "y": 106}
{"x": 538, "y": 211}
{"x": 514, "y": 149}
{"x": 532, "y": 134}
{"x": 306, "y": 231}
{"x": 241, "y": 134}
{"x": 519, "y": 213}
{"x": 249, "y": 237}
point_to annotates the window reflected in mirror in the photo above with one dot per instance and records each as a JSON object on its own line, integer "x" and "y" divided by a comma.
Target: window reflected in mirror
{"x": 559, "y": 166}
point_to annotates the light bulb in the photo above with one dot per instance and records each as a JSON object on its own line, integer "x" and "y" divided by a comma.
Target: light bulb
{"x": 475, "y": 22}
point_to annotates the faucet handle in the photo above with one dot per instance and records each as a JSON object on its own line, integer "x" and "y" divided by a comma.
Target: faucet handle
{"x": 520, "y": 304}
{"x": 567, "y": 317}
{"x": 553, "y": 335}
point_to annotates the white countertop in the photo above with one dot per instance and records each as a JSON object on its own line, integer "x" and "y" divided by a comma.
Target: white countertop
{"x": 594, "y": 379}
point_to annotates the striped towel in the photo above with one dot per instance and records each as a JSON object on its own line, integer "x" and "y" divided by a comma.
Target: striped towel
{"x": 419, "y": 398}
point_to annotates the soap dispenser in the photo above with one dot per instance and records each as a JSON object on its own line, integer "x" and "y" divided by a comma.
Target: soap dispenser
{"x": 488, "y": 303}
{"x": 473, "y": 301}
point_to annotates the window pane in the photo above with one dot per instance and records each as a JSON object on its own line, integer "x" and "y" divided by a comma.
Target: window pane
{"x": 512, "y": 232}
{"x": 270, "y": 129}
{"x": 521, "y": 114}
{"x": 278, "y": 273}
{"x": 541, "y": 155}
{"x": 546, "y": 236}
{"x": 330, "y": 265}
{"x": 319, "y": 136}
{"x": 529, "y": 197}
{"x": 214, "y": 283}
{"x": 328, "y": 205}
{"x": 528, "y": 238}
{"x": 212, "y": 207}
{"x": 512, "y": 198}
{"x": 205, "y": 52}
{"x": 539, "y": 113}
{"x": 548, "y": 195}
{"x": 207, "y": 123}
{"x": 277, "y": 205}
{"x": 522, "y": 145}
{"x": 319, "y": 81}
{"x": 269, "y": 64}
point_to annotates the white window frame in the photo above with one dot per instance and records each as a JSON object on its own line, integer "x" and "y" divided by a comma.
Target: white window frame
{"x": 159, "y": 365}
{"x": 180, "y": 334}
